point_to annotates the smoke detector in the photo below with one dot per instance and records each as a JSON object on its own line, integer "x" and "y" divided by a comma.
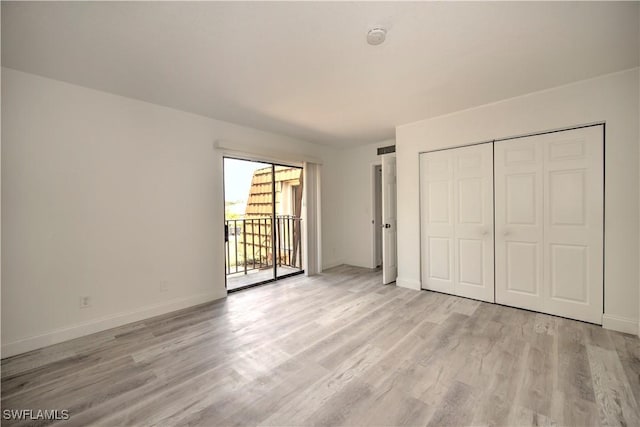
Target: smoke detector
{"x": 376, "y": 36}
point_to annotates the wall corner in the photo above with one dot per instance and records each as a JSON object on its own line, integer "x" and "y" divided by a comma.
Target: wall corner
{"x": 408, "y": 283}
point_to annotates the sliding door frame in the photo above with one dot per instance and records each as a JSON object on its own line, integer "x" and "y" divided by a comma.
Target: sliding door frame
{"x": 273, "y": 221}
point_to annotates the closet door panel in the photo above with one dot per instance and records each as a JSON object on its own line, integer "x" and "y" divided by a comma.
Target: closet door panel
{"x": 437, "y": 219}
{"x": 573, "y": 229}
{"x": 549, "y": 223}
{"x": 456, "y": 196}
{"x": 473, "y": 228}
{"x": 519, "y": 223}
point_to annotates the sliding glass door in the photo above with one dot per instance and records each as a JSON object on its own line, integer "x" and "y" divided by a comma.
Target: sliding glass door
{"x": 263, "y": 224}
{"x": 288, "y": 224}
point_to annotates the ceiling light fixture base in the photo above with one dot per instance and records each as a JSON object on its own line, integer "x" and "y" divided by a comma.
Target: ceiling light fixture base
{"x": 376, "y": 36}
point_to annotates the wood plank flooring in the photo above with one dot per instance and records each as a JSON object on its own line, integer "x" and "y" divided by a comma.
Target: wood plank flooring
{"x": 336, "y": 349}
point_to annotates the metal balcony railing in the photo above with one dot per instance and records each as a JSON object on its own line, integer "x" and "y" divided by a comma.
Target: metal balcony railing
{"x": 249, "y": 243}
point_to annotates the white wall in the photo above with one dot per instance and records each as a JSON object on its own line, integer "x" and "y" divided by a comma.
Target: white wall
{"x": 106, "y": 196}
{"x": 612, "y": 98}
{"x": 357, "y": 203}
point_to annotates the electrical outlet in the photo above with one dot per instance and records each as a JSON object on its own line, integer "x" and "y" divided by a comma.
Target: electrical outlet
{"x": 85, "y": 302}
{"x": 164, "y": 286}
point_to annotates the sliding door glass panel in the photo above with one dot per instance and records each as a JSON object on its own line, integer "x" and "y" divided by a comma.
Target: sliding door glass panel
{"x": 288, "y": 221}
{"x": 248, "y": 191}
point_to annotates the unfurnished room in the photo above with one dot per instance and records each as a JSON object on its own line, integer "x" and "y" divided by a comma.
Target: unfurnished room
{"x": 300, "y": 213}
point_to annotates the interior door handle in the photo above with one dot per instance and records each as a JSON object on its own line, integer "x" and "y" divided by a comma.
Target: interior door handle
{"x": 386, "y": 226}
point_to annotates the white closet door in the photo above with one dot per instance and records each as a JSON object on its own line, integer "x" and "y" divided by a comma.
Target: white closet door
{"x": 573, "y": 227}
{"x": 457, "y": 221}
{"x": 436, "y": 199}
{"x": 519, "y": 219}
{"x": 565, "y": 276}
{"x": 473, "y": 222}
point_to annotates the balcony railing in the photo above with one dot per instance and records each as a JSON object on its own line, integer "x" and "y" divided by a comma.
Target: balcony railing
{"x": 250, "y": 243}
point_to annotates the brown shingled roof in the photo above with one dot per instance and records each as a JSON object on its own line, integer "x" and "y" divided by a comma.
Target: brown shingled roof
{"x": 260, "y": 195}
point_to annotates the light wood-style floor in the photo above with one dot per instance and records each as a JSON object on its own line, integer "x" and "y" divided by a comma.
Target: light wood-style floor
{"x": 337, "y": 349}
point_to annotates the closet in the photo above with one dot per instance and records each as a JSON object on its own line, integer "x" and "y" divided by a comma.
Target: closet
{"x": 529, "y": 208}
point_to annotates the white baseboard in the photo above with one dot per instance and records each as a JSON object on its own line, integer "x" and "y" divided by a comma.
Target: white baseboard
{"x": 408, "y": 283}
{"x": 620, "y": 324}
{"x": 331, "y": 264}
{"x": 97, "y": 325}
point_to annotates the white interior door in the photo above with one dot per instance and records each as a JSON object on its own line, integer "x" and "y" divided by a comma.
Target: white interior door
{"x": 549, "y": 223}
{"x": 457, "y": 221}
{"x": 389, "y": 219}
